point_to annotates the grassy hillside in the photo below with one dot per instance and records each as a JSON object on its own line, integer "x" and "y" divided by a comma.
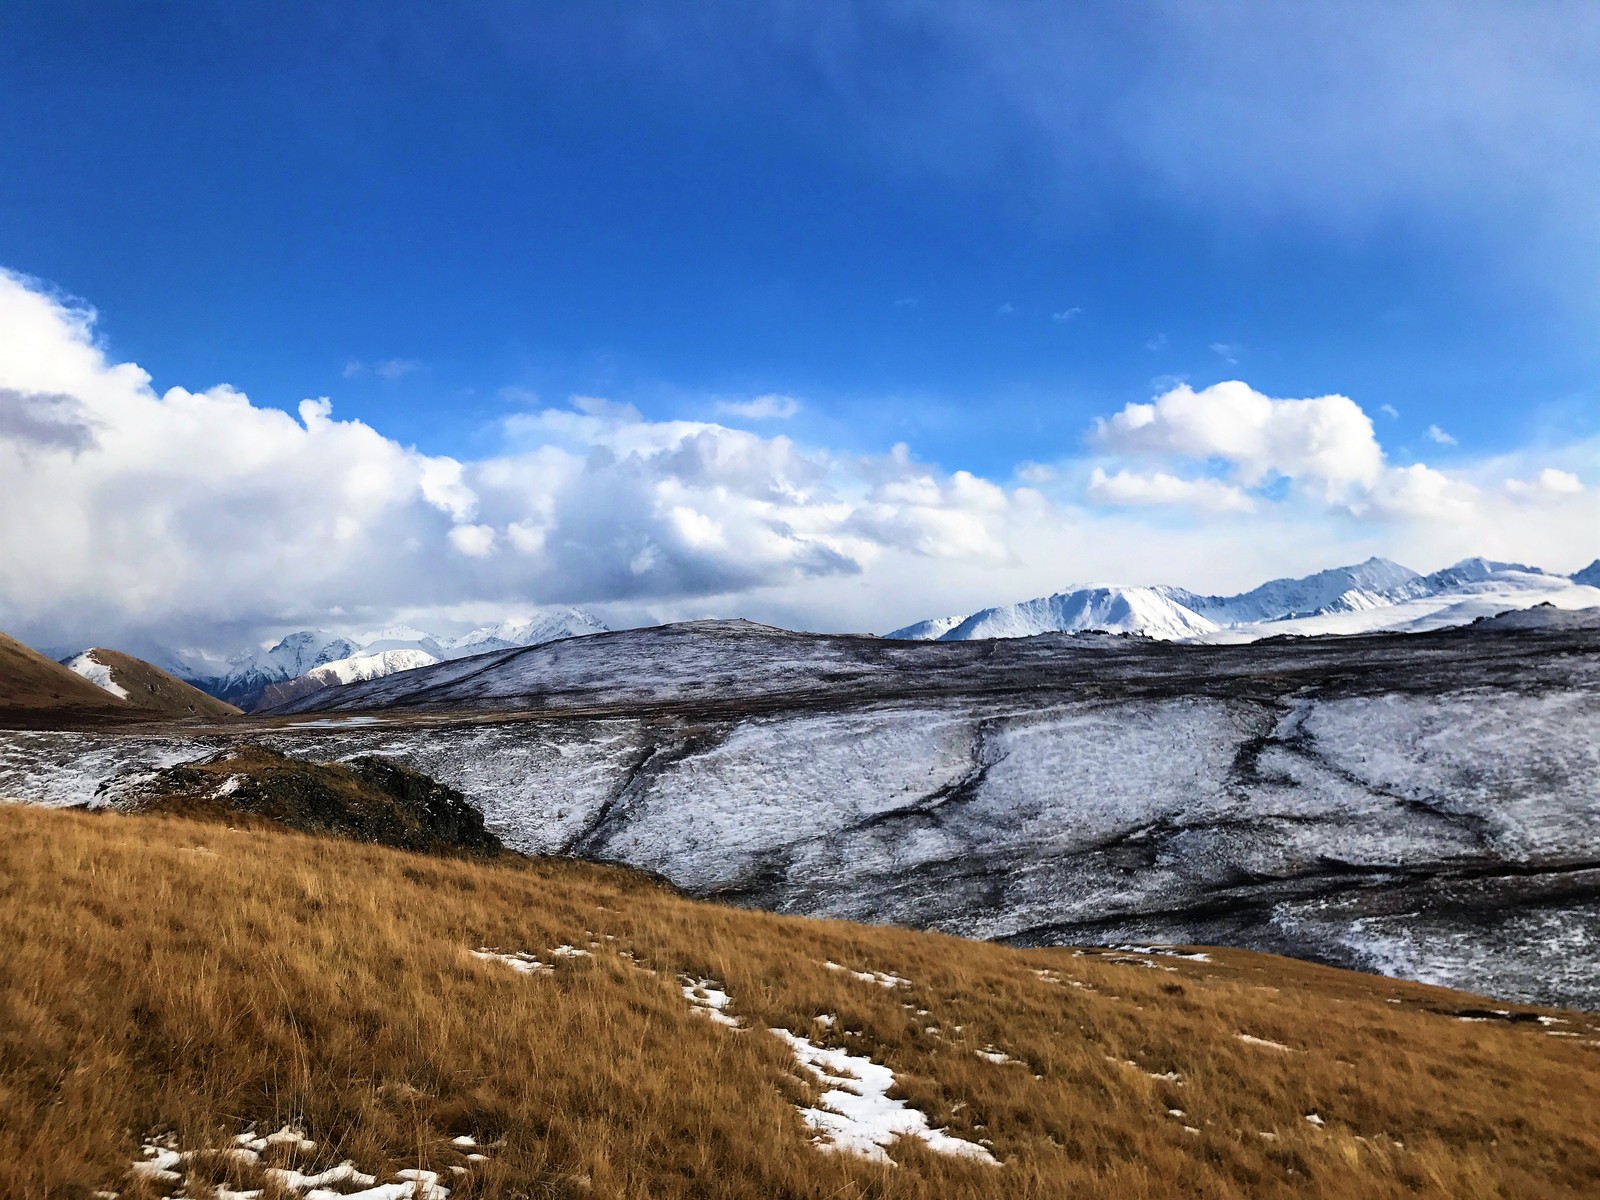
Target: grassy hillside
{"x": 35, "y": 688}
{"x": 186, "y": 985}
{"x": 156, "y": 692}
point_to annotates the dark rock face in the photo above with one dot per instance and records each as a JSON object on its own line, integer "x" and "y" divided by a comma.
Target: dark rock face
{"x": 369, "y": 799}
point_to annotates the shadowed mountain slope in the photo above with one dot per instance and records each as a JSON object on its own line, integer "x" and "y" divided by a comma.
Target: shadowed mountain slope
{"x": 35, "y": 689}
{"x": 146, "y": 687}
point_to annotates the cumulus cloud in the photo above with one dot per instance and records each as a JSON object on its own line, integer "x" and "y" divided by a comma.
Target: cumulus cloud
{"x": 1230, "y": 448}
{"x": 770, "y": 407}
{"x": 203, "y": 519}
{"x": 1326, "y": 443}
{"x": 1159, "y": 488}
{"x": 1549, "y": 484}
{"x": 50, "y": 422}
{"x": 184, "y": 511}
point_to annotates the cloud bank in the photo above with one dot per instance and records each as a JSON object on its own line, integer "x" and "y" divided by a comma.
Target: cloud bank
{"x": 199, "y": 517}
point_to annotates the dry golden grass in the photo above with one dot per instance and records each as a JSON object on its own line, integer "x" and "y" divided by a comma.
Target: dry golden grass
{"x": 165, "y": 974}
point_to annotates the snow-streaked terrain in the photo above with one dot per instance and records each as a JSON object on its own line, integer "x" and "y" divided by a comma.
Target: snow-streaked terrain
{"x": 1427, "y": 804}
{"x": 1369, "y": 596}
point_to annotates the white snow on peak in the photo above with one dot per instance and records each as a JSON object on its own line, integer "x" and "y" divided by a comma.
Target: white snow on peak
{"x": 97, "y": 673}
{"x": 369, "y": 666}
{"x": 1363, "y": 598}
{"x": 1147, "y": 610}
{"x": 394, "y": 637}
{"x": 1371, "y": 584}
{"x": 531, "y": 631}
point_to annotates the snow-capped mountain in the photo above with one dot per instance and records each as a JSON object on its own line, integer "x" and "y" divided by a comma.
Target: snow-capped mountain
{"x": 548, "y": 626}
{"x": 1375, "y": 583}
{"x": 325, "y": 659}
{"x": 1150, "y": 611}
{"x": 1369, "y": 596}
{"x": 345, "y": 670}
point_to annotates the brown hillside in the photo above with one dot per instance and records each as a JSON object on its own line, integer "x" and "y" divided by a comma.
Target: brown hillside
{"x": 156, "y": 692}
{"x": 523, "y": 1029}
{"x": 33, "y": 688}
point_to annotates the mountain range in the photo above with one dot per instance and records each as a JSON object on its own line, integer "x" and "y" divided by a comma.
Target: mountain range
{"x": 310, "y": 659}
{"x": 1366, "y": 597}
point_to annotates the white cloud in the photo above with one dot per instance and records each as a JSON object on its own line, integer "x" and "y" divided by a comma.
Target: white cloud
{"x": 1326, "y": 443}
{"x": 474, "y": 541}
{"x": 1549, "y": 484}
{"x": 1066, "y": 314}
{"x": 389, "y": 369}
{"x": 196, "y": 515}
{"x": 1129, "y": 488}
{"x": 1227, "y": 352}
{"x": 1007, "y": 309}
{"x": 770, "y": 407}
{"x": 1389, "y": 411}
{"x": 1439, "y": 437}
{"x": 396, "y": 368}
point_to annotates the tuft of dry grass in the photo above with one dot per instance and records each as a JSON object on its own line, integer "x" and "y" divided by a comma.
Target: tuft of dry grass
{"x": 163, "y": 975}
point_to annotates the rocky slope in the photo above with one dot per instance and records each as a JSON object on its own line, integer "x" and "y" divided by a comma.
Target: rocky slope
{"x": 368, "y": 799}
{"x": 1425, "y": 805}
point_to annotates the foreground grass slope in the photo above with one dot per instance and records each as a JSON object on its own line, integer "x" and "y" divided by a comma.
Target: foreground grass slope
{"x": 181, "y": 979}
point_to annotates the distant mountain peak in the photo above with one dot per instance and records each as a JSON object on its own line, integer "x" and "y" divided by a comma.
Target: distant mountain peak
{"x": 318, "y": 658}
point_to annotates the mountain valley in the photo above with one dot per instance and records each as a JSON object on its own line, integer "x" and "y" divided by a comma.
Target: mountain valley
{"x": 1418, "y": 804}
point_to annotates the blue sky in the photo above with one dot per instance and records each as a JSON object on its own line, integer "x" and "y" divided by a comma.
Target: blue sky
{"x": 975, "y": 229}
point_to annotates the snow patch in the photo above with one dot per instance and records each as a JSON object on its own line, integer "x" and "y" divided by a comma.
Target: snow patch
{"x": 518, "y": 960}
{"x": 881, "y": 978}
{"x": 709, "y": 998}
{"x": 855, "y": 1114}
{"x": 97, "y": 673}
{"x": 163, "y": 1163}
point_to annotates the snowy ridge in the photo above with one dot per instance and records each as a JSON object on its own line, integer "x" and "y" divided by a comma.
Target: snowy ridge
{"x": 1366, "y": 597}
